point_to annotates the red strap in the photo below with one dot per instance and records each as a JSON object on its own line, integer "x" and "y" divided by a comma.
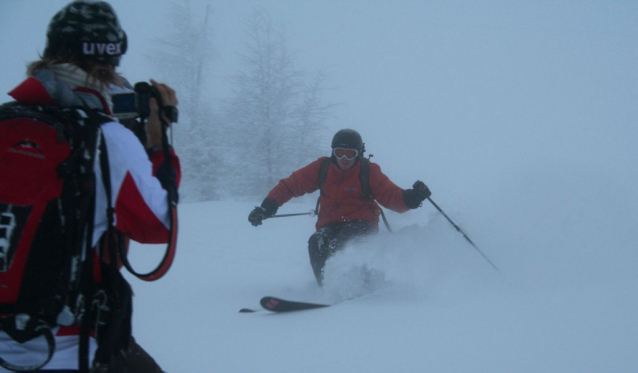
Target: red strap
{"x": 167, "y": 261}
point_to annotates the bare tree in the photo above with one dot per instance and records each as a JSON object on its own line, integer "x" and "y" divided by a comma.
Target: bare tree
{"x": 276, "y": 116}
{"x": 312, "y": 114}
{"x": 183, "y": 56}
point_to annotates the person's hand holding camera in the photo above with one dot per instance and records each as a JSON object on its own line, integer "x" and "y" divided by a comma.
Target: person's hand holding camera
{"x": 154, "y": 128}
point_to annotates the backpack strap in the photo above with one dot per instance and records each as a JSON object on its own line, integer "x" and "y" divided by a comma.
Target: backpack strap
{"x": 21, "y": 328}
{"x": 323, "y": 174}
{"x": 366, "y": 189}
{"x": 87, "y": 298}
{"x": 364, "y": 178}
{"x": 92, "y": 139}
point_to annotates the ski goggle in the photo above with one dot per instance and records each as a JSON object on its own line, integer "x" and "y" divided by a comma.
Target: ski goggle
{"x": 348, "y": 154}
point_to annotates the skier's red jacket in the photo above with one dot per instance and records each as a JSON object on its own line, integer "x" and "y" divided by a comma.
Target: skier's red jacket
{"x": 342, "y": 195}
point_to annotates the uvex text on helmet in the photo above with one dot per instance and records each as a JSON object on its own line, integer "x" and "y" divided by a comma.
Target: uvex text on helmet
{"x": 86, "y": 29}
{"x": 348, "y": 138}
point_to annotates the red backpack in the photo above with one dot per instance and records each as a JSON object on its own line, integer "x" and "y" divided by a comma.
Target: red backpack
{"x": 48, "y": 268}
{"x": 47, "y": 193}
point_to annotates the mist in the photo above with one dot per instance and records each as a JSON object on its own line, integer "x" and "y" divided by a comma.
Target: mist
{"x": 519, "y": 116}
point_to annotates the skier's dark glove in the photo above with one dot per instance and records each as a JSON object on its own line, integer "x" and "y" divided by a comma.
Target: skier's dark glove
{"x": 267, "y": 209}
{"x": 421, "y": 190}
{"x": 257, "y": 216}
{"x": 413, "y": 197}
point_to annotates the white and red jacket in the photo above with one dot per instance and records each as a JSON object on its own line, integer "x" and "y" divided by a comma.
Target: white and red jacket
{"x": 140, "y": 202}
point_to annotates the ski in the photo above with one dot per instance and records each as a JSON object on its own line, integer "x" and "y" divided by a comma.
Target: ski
{"x": 275, "y": 304}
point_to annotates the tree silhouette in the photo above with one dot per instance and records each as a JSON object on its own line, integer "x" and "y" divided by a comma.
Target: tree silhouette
{"x": 277, "y": 117}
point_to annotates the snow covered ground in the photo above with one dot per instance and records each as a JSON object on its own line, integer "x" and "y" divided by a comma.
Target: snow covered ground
{"x": 563, "y": 301}
{"x": 520, "y": 117}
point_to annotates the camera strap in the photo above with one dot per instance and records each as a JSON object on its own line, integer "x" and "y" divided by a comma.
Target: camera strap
{"x": 171, "y": 188}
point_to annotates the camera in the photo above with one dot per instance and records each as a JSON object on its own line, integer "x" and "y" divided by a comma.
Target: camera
{"x": 131, "y": 108}
{"x": 129, "y": 105}
{"x": 134, "y": 104}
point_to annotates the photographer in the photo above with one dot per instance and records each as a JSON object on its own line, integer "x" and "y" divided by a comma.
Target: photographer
{"x": 84, "y": 45}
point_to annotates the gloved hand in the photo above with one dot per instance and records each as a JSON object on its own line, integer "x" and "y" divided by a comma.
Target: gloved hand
{"x": 422, "y": 190}
{"x": 413, "y": 197}
{"x": 257, "y": 216}
{"x": 267, "y": 209}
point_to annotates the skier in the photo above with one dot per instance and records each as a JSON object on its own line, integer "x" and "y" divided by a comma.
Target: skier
{"x": 350, "y": 186}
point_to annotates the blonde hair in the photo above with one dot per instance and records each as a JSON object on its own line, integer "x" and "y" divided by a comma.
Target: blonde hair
{"x": 96, "y": 71}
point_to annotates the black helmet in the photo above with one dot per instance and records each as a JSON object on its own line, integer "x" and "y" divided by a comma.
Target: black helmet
{"x": 350, "y": 139}
{"x": 89, "y": 29}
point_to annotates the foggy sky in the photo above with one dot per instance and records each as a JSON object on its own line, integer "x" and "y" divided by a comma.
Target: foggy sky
{"x": 451, "y": 92}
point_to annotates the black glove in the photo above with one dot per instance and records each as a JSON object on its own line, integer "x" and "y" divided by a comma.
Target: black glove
{"x": 267, "y": 209}
{"x": 413, "y": 197}
{"x": 422, "y": 190}
{"x": 257, "y": 216}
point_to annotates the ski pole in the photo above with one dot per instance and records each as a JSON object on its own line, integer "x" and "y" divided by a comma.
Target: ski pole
{"x": 311, "y": 213}
{"x": 463, "y": 233}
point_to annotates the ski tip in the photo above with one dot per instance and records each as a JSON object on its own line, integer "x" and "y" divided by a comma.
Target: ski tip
{"x": 269, "y": 303}
{"x": 246, "y": 310}
{"x": 275, "y": 304}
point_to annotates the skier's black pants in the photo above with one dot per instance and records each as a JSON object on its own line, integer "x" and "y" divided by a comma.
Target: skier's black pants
{"x": 328, "y": 240}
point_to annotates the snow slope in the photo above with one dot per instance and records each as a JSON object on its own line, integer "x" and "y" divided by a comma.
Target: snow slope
{"x": 564, "y": 300}
{"x": 521, "y": 118}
